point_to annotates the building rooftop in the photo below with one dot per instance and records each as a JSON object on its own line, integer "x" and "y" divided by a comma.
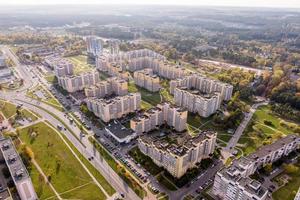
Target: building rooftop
{"x": 265, "y": 150}
{"x": 17, "y": 170}
{"x": 177, "y": 143}
{"x": 120, "y": 131}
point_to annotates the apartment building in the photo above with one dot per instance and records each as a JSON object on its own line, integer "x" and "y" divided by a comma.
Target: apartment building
{"x": 94, "y": 45}
{"x": 204, "y": 85}
{"x": 197, "y": 102}
{"x": 74, "y": 83}
{"x": 108, "y": 87}
{"x": 155, "y": 117}
{"x": 114, "y": 46}
{"x": 116, "y": 107}
{"x": 63, "y": 67}
{"x": 233, "y": 182}
{"x": 146, "y": 79}
{"x": 2, "y": 61}
{"x": 17, "y": 169}
{"x": 181, "y": 154}
{"x": 138, "y": 60}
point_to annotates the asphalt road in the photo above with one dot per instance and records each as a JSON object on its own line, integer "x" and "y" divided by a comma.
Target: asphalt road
{"x": 84, "y": 146}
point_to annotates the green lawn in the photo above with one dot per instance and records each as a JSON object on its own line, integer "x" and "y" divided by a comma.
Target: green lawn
{"x": 152, "y": 98}
{"x": 42, "y": 189}
{"x": 145, "y": 161}
{"x": 57, "y": 162}
{"x": 264, "y": 128}
{"x": 166, "y": 183}
{"x": 7, "y": 108}
{"x": 51, "y": 78}
{"x": 288, "y": 191}
{"x": 25, "y": 113}
{"x": 80, "y": 63}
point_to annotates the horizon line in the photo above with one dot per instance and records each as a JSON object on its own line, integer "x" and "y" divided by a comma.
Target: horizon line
{"x": 141, "y": 4}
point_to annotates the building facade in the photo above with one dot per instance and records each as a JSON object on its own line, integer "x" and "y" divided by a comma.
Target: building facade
{"x": 233, "y": 182}
{"x": 108, "y": 87}
{"x": 179, "y": 156}
{"x": 146, "y": 79}
{"x": 114, "y": 108}
{"x": 94, "y": 46}
{"x": 200, "y": 94}
{"x": 74, "y": 83}
{"x": 161, "y": 114}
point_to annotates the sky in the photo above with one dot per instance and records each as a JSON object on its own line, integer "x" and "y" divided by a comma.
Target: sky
{"x": 238, "y": 3}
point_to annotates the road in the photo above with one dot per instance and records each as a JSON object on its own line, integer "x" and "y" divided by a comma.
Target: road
{"x": 239, "y": 131}
{"x": 81, "y": 143}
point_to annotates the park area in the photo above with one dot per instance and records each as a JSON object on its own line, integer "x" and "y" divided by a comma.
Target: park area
{"x": 265, "y": 128}
{"x": 80, "y": 63}
{"x": 17, "y": 116}
{"x": 57, "y": 162}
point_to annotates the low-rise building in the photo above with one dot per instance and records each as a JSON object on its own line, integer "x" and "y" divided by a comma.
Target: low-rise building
{"x": 146, "y": 79}
{"x": 181, "y": 154}
{"x": 108, "y": 87}
{"x": 175, "y": 117}
{"x": 120, "y": 133}
{"x": 114, "y": 107}
{"x": 233, "y": 182}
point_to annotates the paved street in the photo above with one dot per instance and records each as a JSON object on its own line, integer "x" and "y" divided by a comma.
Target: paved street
{"x": 81, "y": 143}
{"x": 239, "y": 131}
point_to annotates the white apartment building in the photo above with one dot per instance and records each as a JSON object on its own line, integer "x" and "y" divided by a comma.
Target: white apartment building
{"x": 234, "y": 183}
{"x": 108, "y": 87}
{"x": 114, "y": 108}
{"x": 76, "y": 83}
{"x": 94, "y": 45}
{"x": 63, "y": 67}
{"x": 180, "y": 156}
{"x": 138, "y": 60}
{"x": 163, "y": 113}
{"x": 204, "y": 85}
{"x": 146, "y": 79}
{"x": 194, "y": 101}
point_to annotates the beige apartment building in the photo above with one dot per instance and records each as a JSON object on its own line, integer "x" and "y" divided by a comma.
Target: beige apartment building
{"x": 233, "y": 182}
{"x": 204, "y": 85}
{"x": 138, "y": 60}
{"x": 108, "y": 87}
{"x": 74, "y": 83}
{"x": 180, "y": 155}
{"x": 162, "y": 114}
{"x": 196, "y": 102}
{"x": 116, "y": 107}
{"x": 146, "y": 79}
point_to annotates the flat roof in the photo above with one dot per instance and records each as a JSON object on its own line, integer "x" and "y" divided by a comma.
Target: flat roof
{"x": 117, "y": 129}
{"x": 17, "y": 170}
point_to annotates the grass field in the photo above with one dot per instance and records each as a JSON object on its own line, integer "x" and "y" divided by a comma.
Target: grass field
{"x": 7, "y": 108}
{"x": 57, "y": 162}
{"x": 152, "y": 98}
{"x": 288, "y": 191}
{"x": 80, "y": 63}
{"x": 42, "y": 189}
{"x": 264, "y": 128}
